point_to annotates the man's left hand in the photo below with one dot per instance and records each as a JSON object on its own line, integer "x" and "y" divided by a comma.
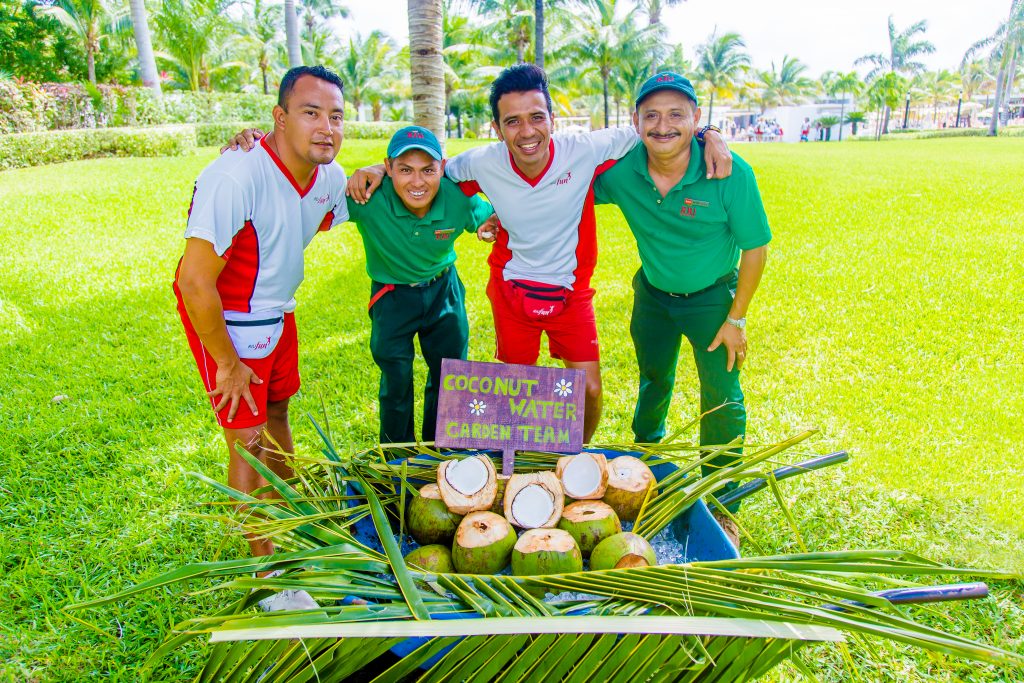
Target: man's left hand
{"x": 717, "y": 157}
{"x": 735, "y": 341}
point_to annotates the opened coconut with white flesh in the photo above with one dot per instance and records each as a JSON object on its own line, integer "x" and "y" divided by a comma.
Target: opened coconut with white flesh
{"x": 483, "y": 543}
{"x": 435, "y": 558}
{"x": 498, "y": 506}
{"x": 629, "y": 479}
{"x": 534, "y": 500}
{"x": 589, "y": 522}
{"x": 546, "y": 551}
{"x": 429, "y": 520}
{"x": 584, "y": 476}
{"x": 623, "y": 550}
{"x": 467, "y": 485}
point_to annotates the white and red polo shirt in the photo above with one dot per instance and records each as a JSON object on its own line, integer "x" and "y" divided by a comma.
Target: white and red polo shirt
{"x": 260, "y": 220}
{"x": 549, "y": 233}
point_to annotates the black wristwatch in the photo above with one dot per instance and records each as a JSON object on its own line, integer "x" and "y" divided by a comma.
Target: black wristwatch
{"x": 705, "y": 129}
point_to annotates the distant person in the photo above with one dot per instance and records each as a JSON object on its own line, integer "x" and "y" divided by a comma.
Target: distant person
{"x": 805, "y": 130}
{"x": 251, "y": 217}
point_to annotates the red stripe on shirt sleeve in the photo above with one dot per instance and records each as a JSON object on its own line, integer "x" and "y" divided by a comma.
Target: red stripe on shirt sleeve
{"x": 470, "y": 187}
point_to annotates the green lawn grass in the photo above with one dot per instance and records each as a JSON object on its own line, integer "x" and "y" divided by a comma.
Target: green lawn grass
{"x": 888, "y": 319}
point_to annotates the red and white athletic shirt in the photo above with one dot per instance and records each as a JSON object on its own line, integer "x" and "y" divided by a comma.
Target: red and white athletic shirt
{"x": 549, "y": 233}
{"x": 259, "y": 220}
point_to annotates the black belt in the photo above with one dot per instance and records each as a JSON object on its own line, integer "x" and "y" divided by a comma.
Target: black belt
{"x": 430, "y": 281}
{"x": 725, "y": 279}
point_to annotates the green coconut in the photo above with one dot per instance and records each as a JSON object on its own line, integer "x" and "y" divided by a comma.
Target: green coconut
{"x": 436, "y": 559}
{"x": 498, "y": 506}
{"x": 589, "y": 522}
{"x": 483, "y": 543}
{"x": 546, "y": 551}
{"x": 429, "y": 520}
{"x": 629, "y": 480}
{"x": 623, "y": 550}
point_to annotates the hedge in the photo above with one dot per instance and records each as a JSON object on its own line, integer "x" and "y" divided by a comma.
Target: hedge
{"x": 18, "y": 150}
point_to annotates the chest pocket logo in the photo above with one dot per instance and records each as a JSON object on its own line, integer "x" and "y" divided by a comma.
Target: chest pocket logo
{"x": 445, "y": 234}
{"x": 690, "y": 207}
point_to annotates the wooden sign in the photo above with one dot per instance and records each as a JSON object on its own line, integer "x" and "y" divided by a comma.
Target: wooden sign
{"x": 510, "y": 407}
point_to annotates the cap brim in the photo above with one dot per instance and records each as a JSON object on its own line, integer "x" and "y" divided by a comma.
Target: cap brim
{"x": 667, "y": 86}
{"x": 434, "y": 154}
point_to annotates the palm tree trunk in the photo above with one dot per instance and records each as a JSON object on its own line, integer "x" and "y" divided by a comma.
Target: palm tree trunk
{"x": 90, "y": 58}
{"x": 291, "y": 31}
{"x": 426, "y": 65}
{"x": 993, "y": 125}
{"x": 266, "y": 88}
{"x": 538, "y": 33}
{"x": 144, "y": 45}
{"x": 885, "y": 120}
{"x": 604, "y": 91}
{"x": 842, "y": 108}
{"x": 711, "y": 104}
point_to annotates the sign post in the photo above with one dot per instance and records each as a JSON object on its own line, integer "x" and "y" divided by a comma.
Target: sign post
{"x": 498, "y": 406}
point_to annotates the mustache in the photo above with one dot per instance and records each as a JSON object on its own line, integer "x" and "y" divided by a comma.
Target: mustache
{"x": 670, "y": 134}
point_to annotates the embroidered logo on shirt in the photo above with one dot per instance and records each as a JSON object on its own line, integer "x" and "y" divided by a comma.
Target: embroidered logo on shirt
{"x": 695, "y": 202}
{"x": 564, "y": 179}
{"x": 445, "y": 234}
{"x": 323, "y": 200}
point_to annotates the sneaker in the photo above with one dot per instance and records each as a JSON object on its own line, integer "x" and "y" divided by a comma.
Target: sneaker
{"x": 729, "y": 527}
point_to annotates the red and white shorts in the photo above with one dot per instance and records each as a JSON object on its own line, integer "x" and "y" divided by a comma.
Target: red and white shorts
{"x": 279, "y": 372}
{"x": 572, "y": 331}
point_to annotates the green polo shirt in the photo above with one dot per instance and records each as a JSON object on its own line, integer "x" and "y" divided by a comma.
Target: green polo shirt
{"x": 693, "y": 235}
{"x": 402, "y": 248}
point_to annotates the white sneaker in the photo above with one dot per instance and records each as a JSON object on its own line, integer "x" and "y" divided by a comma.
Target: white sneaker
{"x": 286, "y": 600}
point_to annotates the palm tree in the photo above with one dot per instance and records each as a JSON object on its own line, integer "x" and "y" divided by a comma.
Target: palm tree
{"x": 854, "y": 118}
{"x": 844, "y": 84}
{"x": 512, "y": 19}
{"x": 325, "y": 9}
{"x": 975, "y": 77}
{"x": 1006, "y": 43}
{"x": 887, "y": 92}
{"x": 653, "y": 8}
{"x": 195, "y": 36}
{"x": 605, "y": 39}
{"x": 827, "y": 122}
{"x": 904, "y": 49}
{"x": 426, "y": 64}
{"x": 720, "y": 62}
{"x": 91, "y": 21}
{"x": 786, "y": 86}
{"x": 144, "y": 45}
{"x": 367, "y": 65}
{"x": 938, "y": 86}
{"x": 260, "y": 34}
{"x": 291, "y": 33}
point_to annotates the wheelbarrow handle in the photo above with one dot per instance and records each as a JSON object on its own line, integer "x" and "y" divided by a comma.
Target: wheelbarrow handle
{"x": 922, "y": 594}
{"x": 755, "y": 485}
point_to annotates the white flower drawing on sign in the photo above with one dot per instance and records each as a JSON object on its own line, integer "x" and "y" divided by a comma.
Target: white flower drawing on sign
{"x": 477, "y": 407}
{"x": 563, "y": 387}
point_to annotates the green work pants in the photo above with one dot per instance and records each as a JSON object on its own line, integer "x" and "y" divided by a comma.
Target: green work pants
{"x": 437, "y": 313}
{"x": 658, "y": 325}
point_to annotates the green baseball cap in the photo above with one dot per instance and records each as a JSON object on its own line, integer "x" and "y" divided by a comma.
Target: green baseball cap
{"x": 414, "y": 137}
{"x": 666, "y": 80}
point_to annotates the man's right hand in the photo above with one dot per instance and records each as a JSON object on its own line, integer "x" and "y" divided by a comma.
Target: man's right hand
{"x": 245, "y": 140}
{"x": 233, "y": 384}
{"x": 363, "y": 182}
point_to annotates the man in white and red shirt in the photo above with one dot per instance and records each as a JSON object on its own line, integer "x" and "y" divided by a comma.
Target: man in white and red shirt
{"x": 252, "y": 215}
{"x": 545, "y": 251}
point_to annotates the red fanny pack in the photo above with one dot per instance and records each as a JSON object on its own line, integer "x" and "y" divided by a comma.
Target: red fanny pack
{"x": 539, "y": 301}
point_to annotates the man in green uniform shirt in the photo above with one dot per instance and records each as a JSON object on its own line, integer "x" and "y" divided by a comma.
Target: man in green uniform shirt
{"x": 409, "y": 231}
{"x": 690, "y": 232}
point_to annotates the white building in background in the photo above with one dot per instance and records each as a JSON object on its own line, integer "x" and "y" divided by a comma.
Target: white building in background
{"x": 789, "y": 118}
